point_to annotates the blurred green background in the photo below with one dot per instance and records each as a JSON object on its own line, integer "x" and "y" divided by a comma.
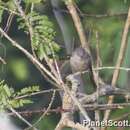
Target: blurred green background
{"x": 19, "y": 71}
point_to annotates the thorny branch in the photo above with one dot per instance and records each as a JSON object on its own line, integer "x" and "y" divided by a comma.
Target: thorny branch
{"x": 61, "y": 110}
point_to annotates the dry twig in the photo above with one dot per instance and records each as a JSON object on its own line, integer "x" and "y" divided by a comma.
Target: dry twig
{"x": 2, "y": 60}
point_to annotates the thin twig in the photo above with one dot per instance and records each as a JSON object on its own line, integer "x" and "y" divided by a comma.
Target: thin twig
{"x": 21, "y": 118}
{"x": 104, "y": 15}
{"x": 55, "y": 62}
{"x": 47, "y": 78}
{"x": 106, "y": 106}
{"x": 9, "y": 21}
{"x": 71, "y": 7}
{"x": 50, "y": 65}
{"x": 119, "y": 60}
{"x": 98, "y": 15}
{"x": 37, "y": 93}
{"x": 105, "y": 68}
{"x": 83, "y": 14}
{"x": 47, "y": 110}
{"x": 112, "y": 67}
{"x": 97, "y": 112}
{"x": 104, "y": 90}
{"x": 38, "y": 111}
{"x": 23, "y": 15}
{"x": 2, "y": 60}
{"x": 60, "y": 110}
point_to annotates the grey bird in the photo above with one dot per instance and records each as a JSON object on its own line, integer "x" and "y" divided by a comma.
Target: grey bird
{"x": 80, "y": 60}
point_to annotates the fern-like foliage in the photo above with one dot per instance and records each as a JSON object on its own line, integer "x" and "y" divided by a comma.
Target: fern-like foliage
{"x": 8, "y": 96}
{"x": 43, "y": 33}
{"x": 6, "y": 5}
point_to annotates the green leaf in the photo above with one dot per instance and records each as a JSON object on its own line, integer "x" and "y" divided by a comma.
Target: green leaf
{"x": 8, "y": 96}
{"x": 32, "y": 1}
{"x": 43, "y": 34}
{"x": 8, "y": 4}
{"x": 7, "y": 90}
{"x": 20, "y": 103}
{"x": 5, "y": 95}
{"x": 28, "y": 90}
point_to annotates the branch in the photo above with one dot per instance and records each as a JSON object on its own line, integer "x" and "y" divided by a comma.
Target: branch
{"x": 9, "y": 21}
{"x": 106, "y": 106}
{"x": 21, "y": 118}
{"x": 61, "y": 110}
{"x": 82, "y": 14}
{"x": 76, "y": 19}
{"x": 119, "y": 60}
{"x": 112, "y": 67}
{"x": 104, "y": 90}
{"x": 45, "y": 113}
{"x": 37, "y": 93}
{"x": 2, "y": 60}
{"x": 71, "y": 7}
{"x": 23, "y": 15}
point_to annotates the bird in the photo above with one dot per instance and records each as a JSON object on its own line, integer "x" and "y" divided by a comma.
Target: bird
{"x": 80, "y": 60}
